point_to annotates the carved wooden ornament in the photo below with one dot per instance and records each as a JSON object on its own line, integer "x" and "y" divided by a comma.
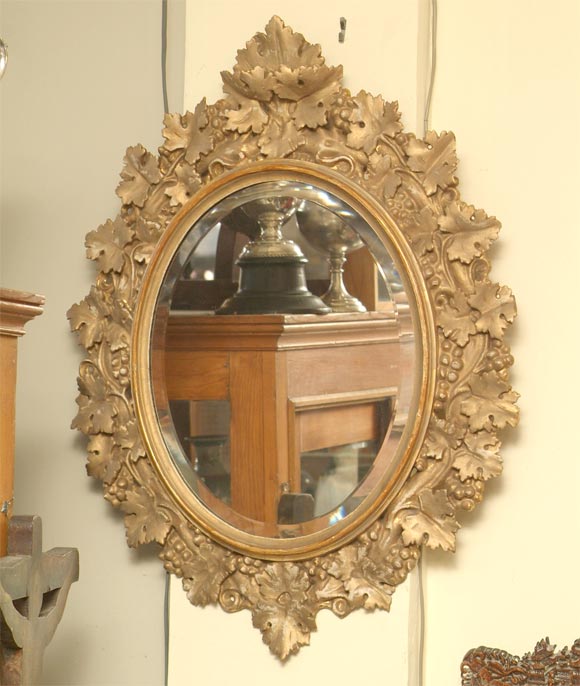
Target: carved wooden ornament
{"x": 544, "y": 666}
{"x": 284, "y": 106}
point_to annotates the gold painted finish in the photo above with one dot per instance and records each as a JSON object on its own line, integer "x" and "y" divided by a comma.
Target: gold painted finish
{"x": 286, "y": 115}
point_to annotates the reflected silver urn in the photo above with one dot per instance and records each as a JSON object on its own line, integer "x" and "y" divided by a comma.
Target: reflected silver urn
{"x": 272, "y": 278}
{"x": 329, "y": 234}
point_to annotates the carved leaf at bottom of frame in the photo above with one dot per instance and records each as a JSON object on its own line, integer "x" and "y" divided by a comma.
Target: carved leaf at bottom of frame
{"x": 204, "y": 574}
{"x": 285, "y": 611}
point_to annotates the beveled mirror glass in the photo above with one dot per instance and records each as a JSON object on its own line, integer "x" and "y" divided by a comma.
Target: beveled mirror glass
{"x": 295, "y": 366}
{"x": 284, "y": 425}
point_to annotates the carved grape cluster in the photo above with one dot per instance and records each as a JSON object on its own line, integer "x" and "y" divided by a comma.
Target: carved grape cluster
{"x": 449, "y": 372}
{"x": 498, "y": 359}
{"x": 120, "y": 367}
{"x": 341, "y": 111}
{"x": 399, "y": 561}
{"x": 116, "y": 492}
{"x": 466, "y": 494}
{"x": 317, "y": 568}
{"x": 402, "y": 208}
{"x": 177, "y": 553}
{"x": 247, "y": 565}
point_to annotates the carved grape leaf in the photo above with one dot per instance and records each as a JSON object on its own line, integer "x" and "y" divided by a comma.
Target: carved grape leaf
{"x": 94, "y": 415}
{"x": 382, "y": 179}
{"x": 435, "y": 158}
{"x": 492, "y": 403}
{"x": 117, "y": 336}
{"x": 313, "y": 89}
{"x": 439, "y": 441}
{"x": 147, "y": 230}
{"x": 97, "y": 410}
{"x": 362, "y": 577}
{"x": 471, "y": 231}
{"x": 295, "y": 84}
{"x": 239, "y": 592}
{"x": 497, "y": 308}
{"x": 106, "y": 244}
{"x": 104, "y": 458}
{"x": 370, "y": 592}
{"x": 279, "y": 45}
{"x": 432, "y": 523}
{"x": 245, "y": 114}
{"x": 284, "y": 614}
{"x": 478, "y": 456}
{"x": 189, "y": 132}
{"x": 256, "y": 84}
{"x": 128, "y": 438}
{"x": 456, "y": 318}
{"x": 372, "y": 119}
{"x": 148, "y": 233}
{"x": 420, "y": 232}
{"x": 87, "y": 320}
{"x": 204, "y": 574}
{"x": 329, "y": 588}
{"x": 186, "y": 183}
{"x": 280, "y": 138}
{"x": 144, "y": 520}
{"x": 284, "y": 633}
{"x": 139, "y": 174}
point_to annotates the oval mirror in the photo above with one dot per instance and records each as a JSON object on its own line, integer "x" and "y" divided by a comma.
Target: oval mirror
{"x": 284, "y": 365}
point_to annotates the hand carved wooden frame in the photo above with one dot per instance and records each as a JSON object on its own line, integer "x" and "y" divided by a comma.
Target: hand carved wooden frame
{"x": 286, "y": 109}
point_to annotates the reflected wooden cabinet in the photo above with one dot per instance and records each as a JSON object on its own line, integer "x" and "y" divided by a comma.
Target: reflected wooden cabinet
{"x": 294, "y": 384}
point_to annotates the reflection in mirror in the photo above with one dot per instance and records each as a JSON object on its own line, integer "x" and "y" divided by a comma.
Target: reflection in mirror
{"x": 283, "y": 422}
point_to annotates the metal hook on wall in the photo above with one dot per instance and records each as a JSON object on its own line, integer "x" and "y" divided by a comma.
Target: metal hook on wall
{"x": 342, "y": 30}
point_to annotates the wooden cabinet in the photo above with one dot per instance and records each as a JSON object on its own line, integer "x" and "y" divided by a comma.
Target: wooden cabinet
{"x": 16, "y": 309}
{"x": 294, "y": 383}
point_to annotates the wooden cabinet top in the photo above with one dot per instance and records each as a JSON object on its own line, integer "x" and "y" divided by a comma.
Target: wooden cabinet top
{"x": 191, "y": 331}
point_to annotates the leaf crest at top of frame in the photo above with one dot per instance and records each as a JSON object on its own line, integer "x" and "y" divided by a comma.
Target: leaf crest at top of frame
{"x": 279, "y": 45}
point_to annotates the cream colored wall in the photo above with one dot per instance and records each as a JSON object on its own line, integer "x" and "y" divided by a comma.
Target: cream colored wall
{"x": 508, "y": 86}
{"x": 83, "y": 83}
